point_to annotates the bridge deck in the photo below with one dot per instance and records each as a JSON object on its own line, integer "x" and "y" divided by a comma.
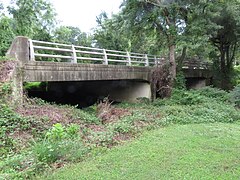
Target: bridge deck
{"x": 52, "y": 71}
{"x": 78, "y": 63}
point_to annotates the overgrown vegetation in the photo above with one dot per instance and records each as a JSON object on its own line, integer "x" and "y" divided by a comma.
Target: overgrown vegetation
{"x": 40, "y": 136}
{"x": 235, "y": 96}
{"x": 161, "y": 81}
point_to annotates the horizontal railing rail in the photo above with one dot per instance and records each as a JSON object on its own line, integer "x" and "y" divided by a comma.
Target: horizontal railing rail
{"x": 196, "y": 64}
{"x": 49, "y": 51}
{"x": 58, "y": 52}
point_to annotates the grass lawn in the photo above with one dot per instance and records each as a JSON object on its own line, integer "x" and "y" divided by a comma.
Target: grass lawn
{"x": 195, "y": 151}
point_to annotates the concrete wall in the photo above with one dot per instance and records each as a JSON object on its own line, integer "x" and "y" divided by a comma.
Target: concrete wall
{"x": 19, "y": 50}
{"x": 53, "y": 72}
{"x": 197, "y": 73}
{"x": 131, "y": 91}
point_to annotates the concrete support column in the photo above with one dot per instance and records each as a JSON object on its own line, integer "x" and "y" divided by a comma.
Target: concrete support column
{"x": 18, "y": 51}
{"x": 17, "y": 86}
{"x": 131, "y": 92}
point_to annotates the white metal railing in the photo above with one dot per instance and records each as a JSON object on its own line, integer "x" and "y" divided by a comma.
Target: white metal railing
{"x": 42, "y": 51}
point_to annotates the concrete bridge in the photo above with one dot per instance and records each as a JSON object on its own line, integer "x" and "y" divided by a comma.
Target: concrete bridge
{"x": 117, "y": 74}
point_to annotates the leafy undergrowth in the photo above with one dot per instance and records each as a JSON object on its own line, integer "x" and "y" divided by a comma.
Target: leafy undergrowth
{"x": 193, "y": 151}
{"x": 40, "y": 136}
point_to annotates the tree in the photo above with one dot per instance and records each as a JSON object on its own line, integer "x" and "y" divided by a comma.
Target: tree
{"x": 166, "y": 18}
{"x": 32, "y": 18}
{"x": 226, "y": 40}
{"x": 72, "y": 35}
{"x": 110, "y": 34}
{"x": 116, "y": 33}
{"x": 6, "y": 34}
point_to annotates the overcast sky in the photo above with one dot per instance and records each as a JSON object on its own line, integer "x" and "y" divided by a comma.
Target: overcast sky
{"x": 81, "y": 13}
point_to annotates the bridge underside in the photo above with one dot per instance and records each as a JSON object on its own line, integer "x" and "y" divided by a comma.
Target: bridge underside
{"x": 85, "y": 93}
{"x": 197, "y": 78}
{"x": 89, "y": 82}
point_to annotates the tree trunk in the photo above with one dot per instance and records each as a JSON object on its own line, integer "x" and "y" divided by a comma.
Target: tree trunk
{"x": 172, "y": 61}
{"x": 181, "y": 59}
{"x": 225, "y": 81}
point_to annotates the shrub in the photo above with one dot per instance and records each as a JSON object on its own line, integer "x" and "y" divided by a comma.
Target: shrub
{"x": 47, "y": 152}
{"x": 50, "y": 152}
{"x": 186, "y": 97}
{"x": 122, "y": 127}
{"x": 236, "y": 79}
{"x": 9, "y": 122}
{"x": 56, "y": 145}
{"x": 235, "y": 96}
{"x": 72, "y": 130}
{"x": 88, "y": 115}
{"x": 58, "y": 132}
{"x": 214, "y": 93}
{"x": 101, "y": 138}
{"x": 203, "y": 113}
{"x": 180, "y": 81}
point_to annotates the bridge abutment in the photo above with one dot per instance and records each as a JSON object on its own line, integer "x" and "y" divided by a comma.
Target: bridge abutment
{"x": 131, "y": 91}
{"x": 18, "y": 51}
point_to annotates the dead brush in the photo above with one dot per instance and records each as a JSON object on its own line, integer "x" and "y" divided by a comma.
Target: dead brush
{"x": 104, "y": 110}
{"x": 6, "y": 68}
{"x": 162, "y": 81}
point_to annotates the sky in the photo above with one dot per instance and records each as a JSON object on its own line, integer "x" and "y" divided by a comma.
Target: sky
{"x": 81, "y": 13}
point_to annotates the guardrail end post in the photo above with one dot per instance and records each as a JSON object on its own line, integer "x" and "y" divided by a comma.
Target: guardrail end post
{"x": 19, "y": 49}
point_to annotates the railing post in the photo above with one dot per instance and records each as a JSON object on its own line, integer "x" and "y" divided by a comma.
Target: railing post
{"x": 31, "y": 49}
{"x": 155, "y": 60}
{"x": 146, "y": 60}
{"x": 129, "y": 63}
{"x": 105, "y": 59}
{"x": 74, "y": 54}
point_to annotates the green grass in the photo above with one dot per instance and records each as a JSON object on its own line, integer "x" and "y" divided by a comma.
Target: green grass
{"x": 194, "y": 151}
{"x": 40, "y": 136}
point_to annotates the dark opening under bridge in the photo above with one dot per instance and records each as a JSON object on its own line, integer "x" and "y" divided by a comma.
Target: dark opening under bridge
{"x": 118, "y": 74}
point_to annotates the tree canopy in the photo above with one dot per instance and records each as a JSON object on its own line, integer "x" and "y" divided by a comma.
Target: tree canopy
{"x": 174, "y": 29}
{"x": 206, "y": 29}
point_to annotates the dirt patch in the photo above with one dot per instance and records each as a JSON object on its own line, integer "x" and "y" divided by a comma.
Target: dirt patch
{"x": 115, "y": 114}
{"x": 122, "y": 137}
{"x": 22, "y": 137}
{"x": 6, "y": 69}
{"x": 48, "y": 113}
{"x": 110, "y": 114}
{"x": 141, "y": 124}
{"x": 96, "y": 128}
